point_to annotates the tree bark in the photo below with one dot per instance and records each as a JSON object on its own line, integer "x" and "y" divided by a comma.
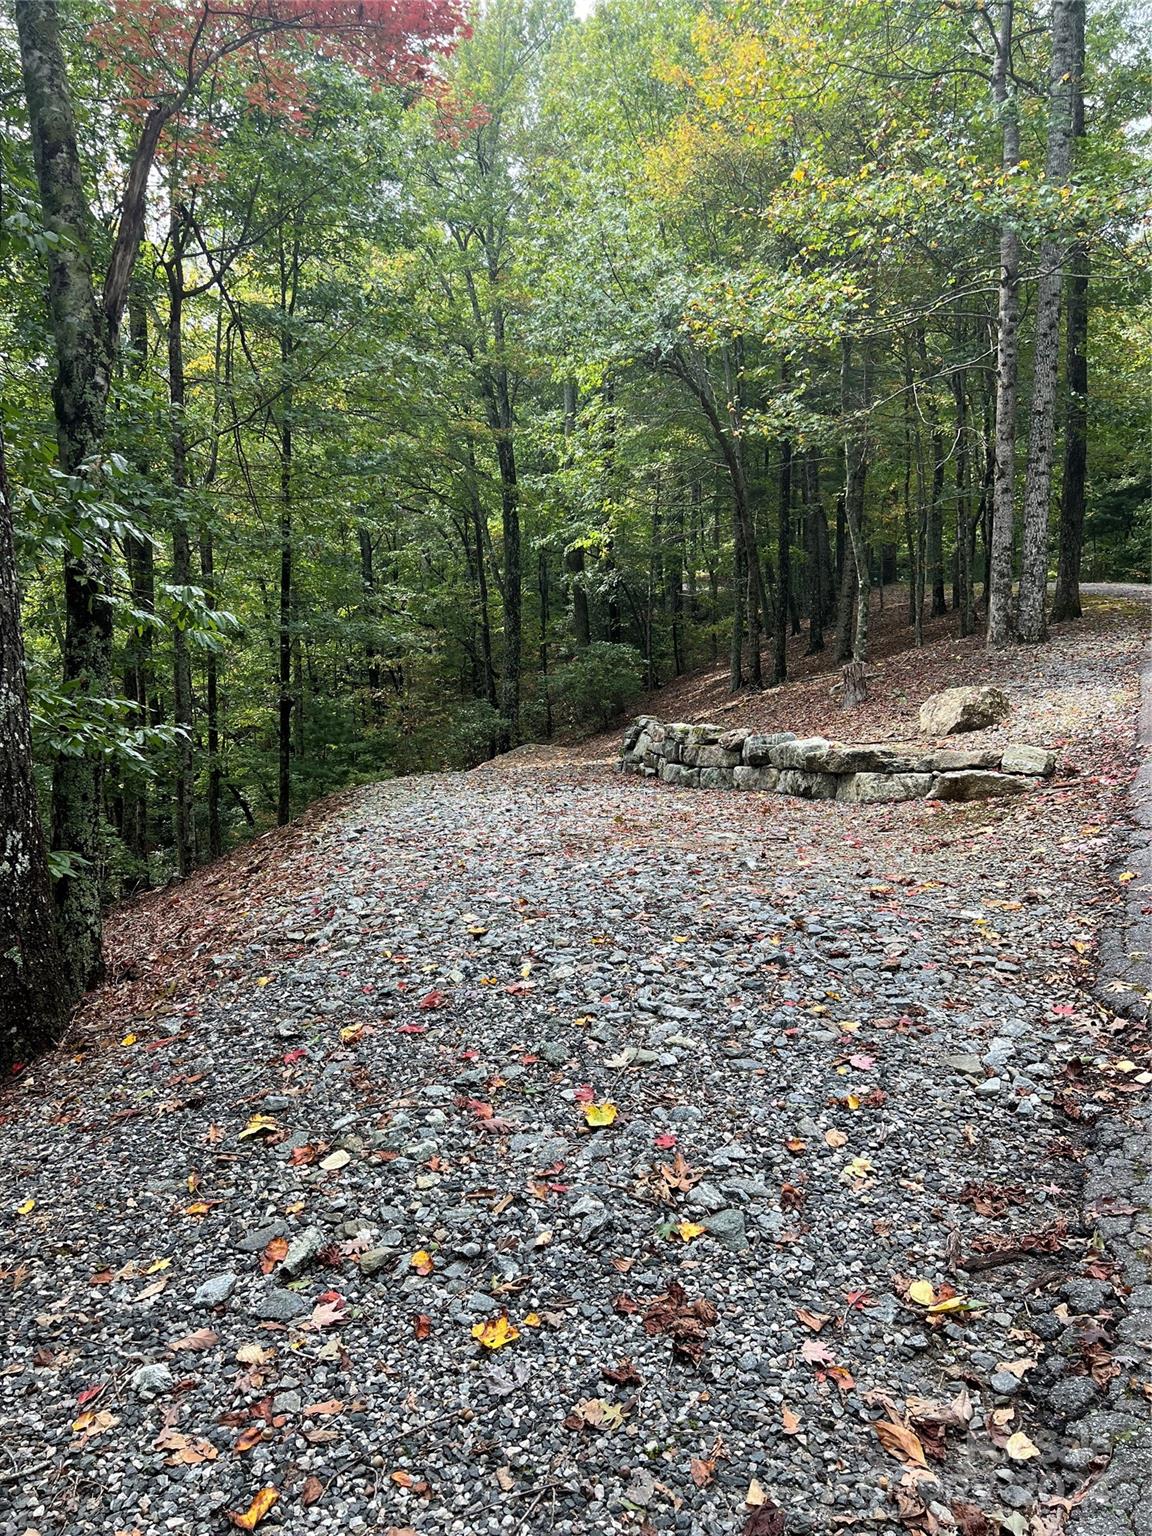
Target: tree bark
{"x": 783, "y": 565}
{"x": 182, "y": 810}
{"x": 80, "y": 395}
{"x": 1066, "y": 601}
{"x": 34, "y": 989}
{"x": 1007, "y": 354}
{"x": 1031, "y": 626}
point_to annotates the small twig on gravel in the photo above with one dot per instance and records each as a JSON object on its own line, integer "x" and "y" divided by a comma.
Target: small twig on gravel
{"x": 18, "y": 1474}
{"x": 978, "y": 1261}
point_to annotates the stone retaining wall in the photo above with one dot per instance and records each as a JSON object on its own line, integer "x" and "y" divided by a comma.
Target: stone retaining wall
{"x": 710, "y": 757}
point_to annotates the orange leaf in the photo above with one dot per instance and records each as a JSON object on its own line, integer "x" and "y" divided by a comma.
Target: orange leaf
{"x": 256, "y": 1511}
{"x": 248, "y": 1438}
{"x": 272, "y": 1255}
{"x": 899, "y": 1441}
{"x": 790, "y": 1420}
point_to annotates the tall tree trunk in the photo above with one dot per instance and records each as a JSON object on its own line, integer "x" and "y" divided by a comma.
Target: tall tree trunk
{"x": 963, "y": 528}
{"x": 34, "y": 989}
{"x": 80, "y": 395}
{"x": 181, "y": 545}
{"x": 140, "y": 562}
{"x": 1066, "y": 601}
{"x": 289, "y": 283}
{"x": 1007, "y": 353}
{"x": 783, "y": 563}
{"x": 815, "y": 549}
{"x": 855, "y": 397}
{"x": 212, "y": 700}
{"x": 1031, "y": 626}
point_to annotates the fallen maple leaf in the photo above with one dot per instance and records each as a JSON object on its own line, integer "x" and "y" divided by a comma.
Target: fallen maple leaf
{"x": 495, "y": 1333}
{"x": 431, "y": 1000}
{"x": 764, "y": 1519}
{"x": 690, "y": 1229}
{"x": 256, "y": 1511}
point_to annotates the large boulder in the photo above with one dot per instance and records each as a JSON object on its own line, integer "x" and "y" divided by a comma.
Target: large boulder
{"x": 798, "y": 752}
{"x": 759, "y": 745}
{"x": 809, "y": 786}
{"x": 1033, "y": 760}
{"x": 950, "y": 759}
{"x": 873, "y": 788}
{"x": 755, "y": 778}
{"x": 962, "y": 709}
{"x": 716, "y": 778}
{"x": 976, "y": 784}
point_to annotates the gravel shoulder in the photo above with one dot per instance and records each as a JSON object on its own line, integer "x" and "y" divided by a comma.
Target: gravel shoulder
{"x": 331, "y": 1119}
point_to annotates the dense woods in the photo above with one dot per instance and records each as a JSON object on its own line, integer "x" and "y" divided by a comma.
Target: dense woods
{"x": 384, "y": 386}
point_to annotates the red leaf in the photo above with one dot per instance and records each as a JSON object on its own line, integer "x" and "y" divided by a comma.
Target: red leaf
{"x": 432, "y": 1000}
{"x": 417, "y": 1029}
{"x": 665, "y": 1140}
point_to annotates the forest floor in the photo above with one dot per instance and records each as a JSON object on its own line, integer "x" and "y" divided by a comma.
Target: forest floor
{"x": 859, "y": 1242}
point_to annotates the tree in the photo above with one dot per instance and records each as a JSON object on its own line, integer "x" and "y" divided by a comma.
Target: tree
{"x": 167, "y": 51}
{"x": 34, "y": 997}
{"x": 1033, "y": 595}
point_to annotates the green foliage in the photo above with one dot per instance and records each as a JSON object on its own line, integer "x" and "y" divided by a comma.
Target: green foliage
{"x": 598, "y": 683}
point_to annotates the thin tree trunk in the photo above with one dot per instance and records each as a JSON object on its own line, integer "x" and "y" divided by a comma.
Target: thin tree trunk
{"x": 1066, "y": 601}
{"x": 1031, "y": 625}
{"x": 1007, "y": 354}
{"x": 181, "y": 547}
{"x": 815, "y": 547}
{"x": 783, "y": 563}
{"x": 212, "y": 700}
{"x": 34, "y": 988}
{"x": 855, "y": 392}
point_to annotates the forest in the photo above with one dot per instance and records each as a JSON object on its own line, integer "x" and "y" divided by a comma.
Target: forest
{"x": 387, "y": 384}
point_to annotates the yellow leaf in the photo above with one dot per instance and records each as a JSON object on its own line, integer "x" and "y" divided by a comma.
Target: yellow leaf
{"x": 799, "y": 173}
{"x": 690, "y": 1229}
{"x": 600, "y": 1114}
{"x": 680, "y": 938}
{"x": 128, "y": 1040}
{"x": 157, "y": 1265}
{"x": 1129, "y": 874}
{"x": 351, "y": 1033}
{"x": 922, "y": 1293}
{"x": 257, "y": 1126}
{"x": 953, "y": 1304}
{"x": 853, "y": 1101}
{"x": 495, "y": 1333}
{"x": 197, "y": 1208}
{"x": 27, "y": 1208}
{"x": 1019, "y": 1447}
{"x": 262, "y": 981}
{"x": 422, "y": 1262}
{"x": 532, "y": 1320}
{"x": 256, "y": 1511}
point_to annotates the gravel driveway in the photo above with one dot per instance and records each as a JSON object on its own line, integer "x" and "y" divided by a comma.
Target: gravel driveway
{"x": 559, "y": 1152}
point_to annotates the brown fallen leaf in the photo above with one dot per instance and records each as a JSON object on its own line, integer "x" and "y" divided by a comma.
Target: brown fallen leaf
{"x": 256, "y": 1511}
{"x": 203, "y": 1338}
{"x": 312, "y": 1490}
{"x": 272, "y": 1254}
{"x": 505, "y": 1478}
{"x": 900, "y": 1441}
{"x": 765, "y": 1519}
{"x": 248, "y": 1438}
{"x": 790, "y": 1420}
{"x": 813, "y": 1320}
{"x": 184, "y": 1450}
{"x": 318, "y": 1410}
